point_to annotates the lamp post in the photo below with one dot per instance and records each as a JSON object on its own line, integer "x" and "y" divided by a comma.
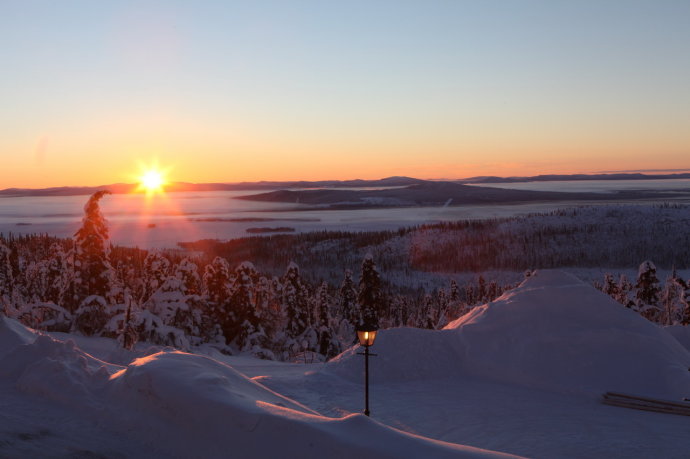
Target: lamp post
{"x": 366, "y": 336}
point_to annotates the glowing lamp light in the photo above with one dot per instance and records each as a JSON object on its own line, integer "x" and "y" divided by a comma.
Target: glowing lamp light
{"x": 366, "y": 336}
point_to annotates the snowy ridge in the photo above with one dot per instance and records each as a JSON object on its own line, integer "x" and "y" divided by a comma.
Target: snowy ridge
{"x": 175, "y": 404}
{"x": 557, "y": 333}
{"x": 552, "y": 333}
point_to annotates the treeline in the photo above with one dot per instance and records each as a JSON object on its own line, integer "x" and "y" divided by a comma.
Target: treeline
{"x": 83, "y": 285}
{"x": 667, "y": 304}
{"x": 615, "y": 236}
{"x": 585, "y": 237}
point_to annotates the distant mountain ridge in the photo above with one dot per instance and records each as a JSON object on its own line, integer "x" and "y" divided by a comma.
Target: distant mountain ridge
{"x": 123, "y": 188}
{"x": 574, "y": 177}
{"x": 395, "y": 181}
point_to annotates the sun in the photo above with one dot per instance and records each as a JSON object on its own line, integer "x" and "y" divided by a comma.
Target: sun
{"x": 152, "y": 181}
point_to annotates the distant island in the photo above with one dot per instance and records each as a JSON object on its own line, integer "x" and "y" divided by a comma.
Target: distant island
{"x": 261, "y": 230}
{"x": 442, "y": 194}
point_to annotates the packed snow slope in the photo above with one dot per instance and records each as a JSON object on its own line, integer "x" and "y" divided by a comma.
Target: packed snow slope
{"x": 59, "y": 401}
{"x": 552, "y": 333}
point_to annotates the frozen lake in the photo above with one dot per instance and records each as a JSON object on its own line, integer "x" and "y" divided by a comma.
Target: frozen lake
{"x": 164, "y": 220}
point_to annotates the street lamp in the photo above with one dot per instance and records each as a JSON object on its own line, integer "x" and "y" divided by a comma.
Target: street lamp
{"x": 366, "y": 336}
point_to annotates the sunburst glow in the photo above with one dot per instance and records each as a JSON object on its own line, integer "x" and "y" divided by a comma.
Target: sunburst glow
{"x": 152, "y": 181}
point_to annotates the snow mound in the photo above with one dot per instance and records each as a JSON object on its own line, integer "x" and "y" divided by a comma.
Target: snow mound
{"x": 557, "y": 333}
{"x": 13, "y": 334}
{"x": 193, "y": 388}
{"x": 680, "y": 333}
{"x": 55, "y": 370}
{"x": 553, "y": 332}
{"x": 219, "y": 412}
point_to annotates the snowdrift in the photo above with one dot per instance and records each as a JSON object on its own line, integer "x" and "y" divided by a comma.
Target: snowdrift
{"x": 221, "y": 413}
{"x": 12, "y": 334}
{"x": 553, "y": 332}
{"x": 187, "y": 405}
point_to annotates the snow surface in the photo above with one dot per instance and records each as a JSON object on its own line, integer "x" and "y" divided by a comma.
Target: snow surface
{"x": 522, "y": 375}
{"x": 172, "y": 404}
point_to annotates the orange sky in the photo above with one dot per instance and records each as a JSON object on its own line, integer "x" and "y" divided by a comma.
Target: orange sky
{"x": 218, "y": 92}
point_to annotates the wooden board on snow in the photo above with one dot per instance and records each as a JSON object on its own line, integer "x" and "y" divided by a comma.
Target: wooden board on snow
{"x": 646, "y": 403}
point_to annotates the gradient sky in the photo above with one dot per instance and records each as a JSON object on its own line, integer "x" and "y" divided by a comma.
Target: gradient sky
{"x": 280, "y": 90}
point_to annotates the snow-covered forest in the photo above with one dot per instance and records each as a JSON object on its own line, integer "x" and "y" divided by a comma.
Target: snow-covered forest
{"x": 84, "y": 285}
{"x": 612, "y": 236}
{"x": 218, "y": 295}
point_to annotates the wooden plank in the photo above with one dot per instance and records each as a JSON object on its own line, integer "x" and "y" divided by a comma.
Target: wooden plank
{"x": 650, "y": 404}
{"x": 648, "y": 399}
{"x": 647, "y": 407}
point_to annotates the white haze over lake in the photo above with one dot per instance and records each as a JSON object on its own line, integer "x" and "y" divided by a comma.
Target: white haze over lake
{"x": 165, "y": 220}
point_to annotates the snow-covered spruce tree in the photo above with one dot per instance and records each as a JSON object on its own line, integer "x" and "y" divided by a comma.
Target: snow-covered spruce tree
{"x": 348, "y": 311}
{"x": 241, "y": 318}
{"x": 454, "y": 291}
{"x": 156, "y": 271}
{"x": 216, "y": 279}
{"x": 647, "y": 296}
{"x": 36, "y": 281}
{"x": 427, "y": 318}
{"x": 369, "y": 294}
{"x": 328, "y": 344}
{"x": 671, "y": 302}
{"x": 127, "y": 334}
{"x": 168, "y": 301}
{"x": 59, "y": 274}
{"x": 481, "y": 290}
{"x": 399, "y": 310}
{"x": 443, "y": 305}
{"x": 188, "y": 272}
{"x": 216, "y": 292}
{"x": 610, "y": 287}
{"x": 470, "y": 297}
{"x": 6, "y": 281}
{"x": 268, "y": 294}
{"x": 623, "y": 293}
{"x": 685, "y": 315}
{"x": 93, "y": 274}
{"x": 295, "y": 305}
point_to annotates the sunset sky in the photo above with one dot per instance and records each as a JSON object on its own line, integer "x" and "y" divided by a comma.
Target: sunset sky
{"x": 92, "y": 91}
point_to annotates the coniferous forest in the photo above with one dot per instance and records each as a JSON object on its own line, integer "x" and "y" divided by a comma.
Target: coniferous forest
{"x": 300, "y": 297}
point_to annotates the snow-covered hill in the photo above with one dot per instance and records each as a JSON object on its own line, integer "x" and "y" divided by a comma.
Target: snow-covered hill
{"x": 554, "y": 332}
{"x": 522, "y": 375}
{"x": 170, "y": 404}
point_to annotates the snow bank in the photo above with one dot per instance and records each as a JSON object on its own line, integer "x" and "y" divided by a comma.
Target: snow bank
{"x": 557, "y": 333}
{"x": 13, "y": 334}
{"x": 187, "y": 405}
{"x": 55, "y": 370}
{"x": 553, "y": 332}
{"x": 681, "y": 333}
{"x": 192, "y": 388}
{"x": 218, "y": 412}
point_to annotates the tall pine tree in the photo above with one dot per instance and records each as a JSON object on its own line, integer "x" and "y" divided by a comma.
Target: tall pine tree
{"x": 369, "y": 294}
{"x": 93, "y": 274}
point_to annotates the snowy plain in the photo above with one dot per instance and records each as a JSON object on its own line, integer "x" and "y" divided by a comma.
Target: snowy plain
{"x": 522, "y": 375}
